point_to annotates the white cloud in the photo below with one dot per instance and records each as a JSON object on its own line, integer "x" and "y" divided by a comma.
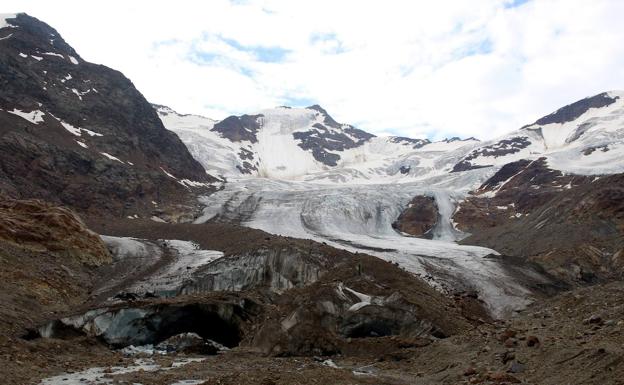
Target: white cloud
{"x": 439, "y": 69}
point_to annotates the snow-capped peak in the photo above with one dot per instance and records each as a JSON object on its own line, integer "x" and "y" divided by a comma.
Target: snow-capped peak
{"x": 584, "y": 137}
{"x": 308, "y": 144}
{"x": 281, "y": 142}
{"x": 303, "y": 144}
{"x": 569, "y": 123}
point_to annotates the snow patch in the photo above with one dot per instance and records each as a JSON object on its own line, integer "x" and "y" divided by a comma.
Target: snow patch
{"x": 329, "y": 363}
{"x": 105, "y": 375}
{"x": 190, "y": 183}
{"x": 78, "y": 93}
{"x": 109, "y": 156}
{"x": 76, "y": 130}
{"x": 53, "y": 54}
{"x": 34, "y": 117}
{"x": 189, "y": 382}
{"x": 124, "y": 247}
{"x": 168, "y": 174}
{"x": 186, "y": 258}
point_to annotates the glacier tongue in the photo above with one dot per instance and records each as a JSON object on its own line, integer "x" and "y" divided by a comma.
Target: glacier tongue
{"x": 359, "y": 219}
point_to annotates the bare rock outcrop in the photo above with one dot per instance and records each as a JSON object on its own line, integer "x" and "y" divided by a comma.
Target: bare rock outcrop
{"x": 419, "y": 218}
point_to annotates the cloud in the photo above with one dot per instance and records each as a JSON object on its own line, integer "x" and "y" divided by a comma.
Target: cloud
{"x": 435, "y": 69}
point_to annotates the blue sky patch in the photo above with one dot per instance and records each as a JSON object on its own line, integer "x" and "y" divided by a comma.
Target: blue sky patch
{"x": 515, "y": 3}
{"x": 319, "y": 38}
{"x": 482, "y": 47}
{"x": 298, "y": 102}
{"x": 273, "y": 54}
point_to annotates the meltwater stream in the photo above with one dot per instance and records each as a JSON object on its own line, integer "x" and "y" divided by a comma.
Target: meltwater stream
{"x": 359, "y": 218}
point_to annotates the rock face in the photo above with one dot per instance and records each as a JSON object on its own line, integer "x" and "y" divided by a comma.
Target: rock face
{"x": 239, "y": 128}
{"x": 501, "y": 148}
{"x": 80, "y": 134}
{"x": 415, "y": 143}
{"x": 328, "y": 137}
{"x": 516, "y": 190}
{"x": 419, "y": 218}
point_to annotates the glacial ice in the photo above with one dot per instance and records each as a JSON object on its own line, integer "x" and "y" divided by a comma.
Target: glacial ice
{"x": 359, "y": 219}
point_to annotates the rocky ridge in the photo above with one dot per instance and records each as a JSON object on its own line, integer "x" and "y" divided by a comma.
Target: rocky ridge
{"x": 80, "y": 134}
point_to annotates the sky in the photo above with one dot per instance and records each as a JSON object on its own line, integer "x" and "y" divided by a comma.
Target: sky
{"x": 420, "y": 69}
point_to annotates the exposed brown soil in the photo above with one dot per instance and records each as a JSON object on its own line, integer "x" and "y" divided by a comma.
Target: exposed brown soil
{"x": 39, "y": 226}
{"x": 48, "y": 260}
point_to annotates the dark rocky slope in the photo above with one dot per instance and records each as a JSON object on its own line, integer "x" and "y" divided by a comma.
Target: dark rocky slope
{"x": 572, "y": 226}
{"x": 80, "y": 134}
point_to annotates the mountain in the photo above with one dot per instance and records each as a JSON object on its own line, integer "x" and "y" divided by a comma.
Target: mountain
{"x": 308, "y": 144}
{"x": 322, "y": 254}
{"x": 386, "y": 191}
{"x": 80, "y": 134}
{"x": 552, "y": 192}
{"x": 383, "y": 192}
{"x": 585, "y": 137}
{"x": 570, "y": 225}
{"x": 301, "y": 144}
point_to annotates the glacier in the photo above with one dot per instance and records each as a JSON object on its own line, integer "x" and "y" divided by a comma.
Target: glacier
{"x": 277, "y": 182}
{"x": 359, "y": 219}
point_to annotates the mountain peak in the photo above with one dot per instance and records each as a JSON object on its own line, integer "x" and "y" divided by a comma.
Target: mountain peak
{"x": 575, "y": 110}
{"x": 458, "y": 139}
{"x": 318, "y": 108}
{"x": 98, "y": 134}
{"x": 31, "y": 35}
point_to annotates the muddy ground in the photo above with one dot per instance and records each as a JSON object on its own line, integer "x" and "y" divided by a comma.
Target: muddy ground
{"x": 573, "y": 338}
